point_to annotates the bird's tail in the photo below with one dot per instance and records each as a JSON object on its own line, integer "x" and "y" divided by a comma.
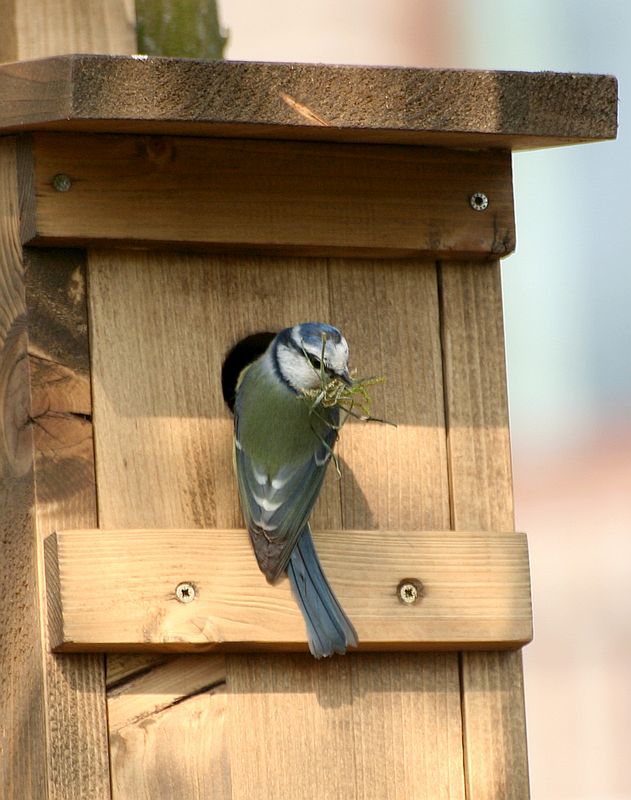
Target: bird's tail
{"x": 329, "y": 629}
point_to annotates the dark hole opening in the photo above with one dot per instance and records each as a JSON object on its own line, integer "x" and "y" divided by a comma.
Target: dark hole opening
{"x": 243, "y": 353}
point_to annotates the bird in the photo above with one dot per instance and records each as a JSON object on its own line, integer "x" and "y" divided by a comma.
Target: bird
{"x": 282, "y": 447}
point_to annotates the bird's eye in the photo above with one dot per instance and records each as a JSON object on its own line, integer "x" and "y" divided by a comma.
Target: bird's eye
{"x": 314, "y": 361}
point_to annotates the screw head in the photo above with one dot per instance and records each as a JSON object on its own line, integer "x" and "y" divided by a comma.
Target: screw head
{"x": 479, "y": 201}
{"x": 61, "y": 182}
{"x": 409, "y": 591}
{"x": 185, "y": 592}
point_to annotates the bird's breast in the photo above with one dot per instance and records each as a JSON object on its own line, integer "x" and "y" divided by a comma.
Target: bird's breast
{"x": 276, "y": 426}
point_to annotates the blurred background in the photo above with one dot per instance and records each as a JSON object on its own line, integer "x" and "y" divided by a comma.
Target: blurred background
{"x": 567, "y": 292}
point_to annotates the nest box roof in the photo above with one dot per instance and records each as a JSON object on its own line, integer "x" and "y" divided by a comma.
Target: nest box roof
{"x": 456, "y": 108}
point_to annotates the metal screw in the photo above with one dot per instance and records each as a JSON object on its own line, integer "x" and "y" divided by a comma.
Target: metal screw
{"x": 409, "y": 591}
{"x": 185, "y": 592}
{"x": 479, "y": 201}
{"x": 62, "y": 182}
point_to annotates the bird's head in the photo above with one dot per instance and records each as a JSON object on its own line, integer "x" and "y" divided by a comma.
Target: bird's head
{"x": 300, "y": 353}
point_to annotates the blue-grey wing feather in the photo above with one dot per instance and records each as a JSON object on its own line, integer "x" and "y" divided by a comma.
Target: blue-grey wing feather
{"x": 277, "y": 507}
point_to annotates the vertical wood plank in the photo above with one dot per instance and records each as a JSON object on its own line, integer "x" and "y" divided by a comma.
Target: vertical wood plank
{"x": 147, "y": 718}
{"x": 482, "y": 499}
{"x": 164, "y": 437}
{"x": 159, "y": 428}
{"x": 65, "y": 497}
{"x": 39, "y": 28}
{"x": 397, "y": 478}
{"x": 362, "y": 718}
{"x": 290, "y": 727}
{"x": 23, "y": 742}
{"x": 58, "y": 745}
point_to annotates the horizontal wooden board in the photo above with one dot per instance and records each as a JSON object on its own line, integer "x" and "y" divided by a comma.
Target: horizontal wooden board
{"x": 116, "y": 590}
{"x": 463, "y": 108}
{"x": 325, "y": 199}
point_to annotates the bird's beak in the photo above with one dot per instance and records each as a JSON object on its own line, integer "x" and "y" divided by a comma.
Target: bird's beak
{"x": 345, "y": 377}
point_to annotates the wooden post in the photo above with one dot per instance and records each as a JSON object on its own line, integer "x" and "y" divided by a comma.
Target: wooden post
{"x": 214, "y": 200}
{"x": 53, "y": 728}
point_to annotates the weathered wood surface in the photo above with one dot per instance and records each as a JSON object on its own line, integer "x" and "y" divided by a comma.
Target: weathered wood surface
{"x": 53, "y": 733}
{"x": 115, "y": 590}
{"x": 355, "y": 716}
{"x": 163, "y": 445}
{"x": 22, "y": 683}
{"x": 148, "y": 720}
{"x": 61, "y": 409}
{"x": 53, "y": 744}
{"x": 494, "y": 720}
{"x": 43, "y": 28}
{"x": 511, "y": 110}
{"x": 290, "y": 196}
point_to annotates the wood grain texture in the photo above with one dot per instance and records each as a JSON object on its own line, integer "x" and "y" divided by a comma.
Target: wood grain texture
{"x": 280, "y": 196}
{"x": 23, "y": 771}
{"x": 166, "y": 709}
{"x": 163, "y": 443}
{"x": 143, "y": 696}
{"x": 481, "y": 492}
{"x": 377, "y": 495}
{"x": 61, "y": 409}
{"x": 178, "y": 751}
{"x": 57, "y": 747}
{"x": 115, "y": 590}
{"x": 397, "y": 478}
{"x": 460, "y": 108}
{"x": 123, "y": 666}
{"x": 164, "y": 439}
{"x": 42, "y": 28}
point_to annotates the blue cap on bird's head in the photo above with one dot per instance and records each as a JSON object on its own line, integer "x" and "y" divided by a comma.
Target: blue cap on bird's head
{"x": 313, "y": 332}
{"x": 300, "y": 354}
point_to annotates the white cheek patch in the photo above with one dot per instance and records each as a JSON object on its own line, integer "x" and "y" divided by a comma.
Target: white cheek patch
{"x": 337, "y": 356}
{"x": 295, "y": 369}
{"x": 338, "y": 359}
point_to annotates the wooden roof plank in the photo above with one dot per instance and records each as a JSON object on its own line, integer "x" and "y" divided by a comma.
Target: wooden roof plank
{"x": 468, "y": 108}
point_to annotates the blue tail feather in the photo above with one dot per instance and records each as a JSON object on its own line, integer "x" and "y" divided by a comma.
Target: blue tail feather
{"x": 329, "y": 629}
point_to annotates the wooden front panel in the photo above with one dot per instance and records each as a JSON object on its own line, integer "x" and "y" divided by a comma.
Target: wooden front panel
{"x": 380, "y": 725}
{"x": 290, "y": 197}
{"x": 494, "y": 718}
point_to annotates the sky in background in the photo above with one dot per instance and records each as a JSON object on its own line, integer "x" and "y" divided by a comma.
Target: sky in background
{"x": 567, "y": 291}
{"x": 568, "y": 286}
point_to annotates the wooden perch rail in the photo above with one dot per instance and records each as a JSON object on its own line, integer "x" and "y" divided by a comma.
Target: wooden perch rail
{"x": 116, "y": 590}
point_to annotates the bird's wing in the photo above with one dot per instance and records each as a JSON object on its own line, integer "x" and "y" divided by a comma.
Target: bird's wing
{"x": 277, "y": 507}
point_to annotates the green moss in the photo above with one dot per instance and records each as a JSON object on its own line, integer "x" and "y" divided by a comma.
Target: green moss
{"x": 353, "y": 399}
{"x": 179, "y": 28}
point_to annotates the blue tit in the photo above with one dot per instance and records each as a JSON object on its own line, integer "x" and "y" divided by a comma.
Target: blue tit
{"x": 282, "y": 449}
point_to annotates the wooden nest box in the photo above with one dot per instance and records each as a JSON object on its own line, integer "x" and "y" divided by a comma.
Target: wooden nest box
{"x": 153, "y": 213}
